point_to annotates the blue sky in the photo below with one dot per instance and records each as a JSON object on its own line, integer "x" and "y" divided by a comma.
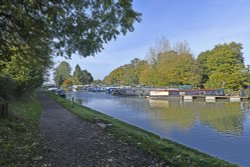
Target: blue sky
{"x": 202, "y": 23}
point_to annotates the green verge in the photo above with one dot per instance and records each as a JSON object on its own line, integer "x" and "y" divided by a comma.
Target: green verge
{"x": 19, "y": 132}
{"x": 172, "y": 153}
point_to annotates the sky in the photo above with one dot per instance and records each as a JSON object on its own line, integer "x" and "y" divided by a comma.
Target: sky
{"x": 202, "y": 23}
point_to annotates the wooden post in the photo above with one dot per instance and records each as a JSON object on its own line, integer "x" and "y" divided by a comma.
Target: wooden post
{"x": 72, "y": 101}
{"x": 1, "y": 110}
{"x": 4, "y": 110}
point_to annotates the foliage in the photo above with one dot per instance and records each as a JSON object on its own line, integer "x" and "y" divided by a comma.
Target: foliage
{"x": 115, "y": 77}
{"x": 32, "y": 31}
{"x": 22, "y": 73}
{"x": 166, "y": 66}
{"x": 68, "y": 26}
{"x": 85, "y": 77}
{"x": 221, "y": 67}
{"x": 224, "y": 66}
{"x": 63, "y": 78}
{"x": 8, "y": 86}
{"x": 128, "y": 74}
{"x": 76, "y": 75}
{"x": 202, "y": 59}
{"x": 66, "y": 83}
{"x": 148, "y": 75}
{"x": 81, "y": 76}
{"x": 61, "y": 73}
{"x": 173, "y": 65}
{"x": 19, "y": 133}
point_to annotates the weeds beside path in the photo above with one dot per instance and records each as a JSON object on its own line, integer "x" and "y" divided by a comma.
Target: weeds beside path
{"x": 19, "y": 132}
{"x": 67, "y": 140}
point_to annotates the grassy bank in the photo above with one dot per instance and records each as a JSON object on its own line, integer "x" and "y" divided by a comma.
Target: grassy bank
{"x": 19, "y": 132}
{"x": 171, "y": 152}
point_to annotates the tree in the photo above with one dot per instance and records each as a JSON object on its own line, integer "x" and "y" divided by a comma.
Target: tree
{"x": 61, "y": 73}
{"x": 22, "y": 73}
{"x": 36, "y": 30}
{"x": 161, "y": 46}
{"x": 115, "y": 77}
{"x": 186, "y": 70}
{"x": 85, "y": 77}
{"x": 166, "y": 66}
{"x": 225, "y": 64}
{"x": 202, "y": 62}
{"x": 81, "y": 76}
{"x": 67, "y": 83}
{"x": 76, "y": 75}
{"x": 171, "y": 65}
{"x": 149, "y": 76}
{"x": 67, "y": 26}
{"x": 128, "y": 74}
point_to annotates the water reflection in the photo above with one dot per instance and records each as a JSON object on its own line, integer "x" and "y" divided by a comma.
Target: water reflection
{"x": 224, "y": 117}
{"x": 218, "y": 128}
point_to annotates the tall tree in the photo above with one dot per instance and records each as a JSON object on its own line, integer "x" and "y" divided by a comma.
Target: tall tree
{"x": 81, "y": 76}
{"x": 202, "y": 62}
{"x": 162, "y": 45}
{"x": 77, "y": 74}
{"x": 85, "y": 77}
{"x": 186, "y": 70}
{"x": 61, "y": 73}
{"x": 172, "y": 65}
{"x": 225, "y": 64}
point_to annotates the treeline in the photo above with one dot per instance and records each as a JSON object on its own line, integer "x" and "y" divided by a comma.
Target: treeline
{"x": 166, "y": 65}
{"x": 63, "y": 77}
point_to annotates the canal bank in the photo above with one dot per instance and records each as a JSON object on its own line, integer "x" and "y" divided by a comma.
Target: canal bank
{"x": 171, "y": 152}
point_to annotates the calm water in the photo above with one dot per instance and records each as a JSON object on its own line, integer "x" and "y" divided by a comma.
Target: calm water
{"x": 221, "y": 129}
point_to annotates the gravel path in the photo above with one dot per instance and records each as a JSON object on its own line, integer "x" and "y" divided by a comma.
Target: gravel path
{"x": 67, "y": 140}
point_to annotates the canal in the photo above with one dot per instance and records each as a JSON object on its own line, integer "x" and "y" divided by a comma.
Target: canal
{"x": 221, "y": 129}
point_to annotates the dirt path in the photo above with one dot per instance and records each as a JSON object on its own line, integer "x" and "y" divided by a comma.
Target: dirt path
{"x": 66, "y": 140}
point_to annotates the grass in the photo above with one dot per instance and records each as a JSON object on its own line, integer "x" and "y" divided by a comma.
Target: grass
{"x": 172, "y": 153}
{"x": 19, "y": 132}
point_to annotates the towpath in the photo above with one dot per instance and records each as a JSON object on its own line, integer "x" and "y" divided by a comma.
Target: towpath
{"x": 67, "y": 140}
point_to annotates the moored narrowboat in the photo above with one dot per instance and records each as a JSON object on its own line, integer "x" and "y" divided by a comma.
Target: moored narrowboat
{"x": 179, "y": 93}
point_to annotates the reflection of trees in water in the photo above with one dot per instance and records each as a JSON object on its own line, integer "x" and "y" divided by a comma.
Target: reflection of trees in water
{"x": 136, "y": 104}
{"x": 159, "y": 103}
{"x": 174, "y": 114}
{"x": 224, "y": 117}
